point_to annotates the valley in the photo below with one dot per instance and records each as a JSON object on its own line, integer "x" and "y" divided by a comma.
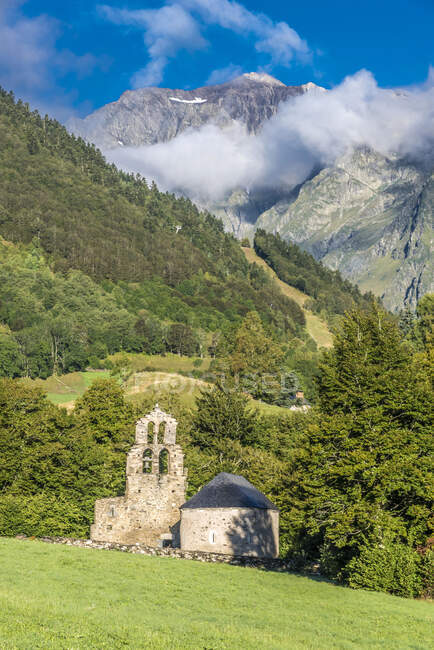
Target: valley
{"x": 100, "y": 269}
{"x": 216, "y": 325}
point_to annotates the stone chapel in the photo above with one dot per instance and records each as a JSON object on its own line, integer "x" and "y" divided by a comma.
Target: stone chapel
{"x": 228, "y": 515}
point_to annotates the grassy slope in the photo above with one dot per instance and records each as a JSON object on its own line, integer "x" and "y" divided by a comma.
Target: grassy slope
{"x": 316, "y": 327}
{"x": 64, "y": 390}
{"x": 65, "y": 597}
{"x": 67, "y": 388}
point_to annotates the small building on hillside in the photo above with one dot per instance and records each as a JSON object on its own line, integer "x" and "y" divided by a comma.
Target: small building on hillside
{"x": 229, "y": 515}
{"x": 301, "y": 403}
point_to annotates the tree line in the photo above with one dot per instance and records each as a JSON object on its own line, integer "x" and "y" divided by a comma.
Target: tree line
{"x": 352, "y": 479}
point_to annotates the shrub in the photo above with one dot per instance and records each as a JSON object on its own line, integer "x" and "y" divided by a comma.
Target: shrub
{"x": 394, "y": 568}
{"x": 427, "y": 569}
{"x": 41, "y": 514}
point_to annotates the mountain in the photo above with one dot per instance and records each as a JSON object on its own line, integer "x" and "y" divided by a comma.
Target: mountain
{"x": 371, "y": 217}
{"x": 368, "y": 215}
{"x": 151, "y": 115}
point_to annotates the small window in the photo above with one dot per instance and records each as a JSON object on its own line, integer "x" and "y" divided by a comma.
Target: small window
{"x": 147, "y": 462}
{"x": 151, "y": 428}
{"x": 163, "y": 461}
{"x": 112, "y": 511}
{"x": 161, "y": 432}
{"x": 211, "y": 537}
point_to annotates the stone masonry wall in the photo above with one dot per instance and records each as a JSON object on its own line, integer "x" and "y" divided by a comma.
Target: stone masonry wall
{"x": 149, "y": 510}
{"x": 234, "y": 531}
{"x": 268, "y": 564}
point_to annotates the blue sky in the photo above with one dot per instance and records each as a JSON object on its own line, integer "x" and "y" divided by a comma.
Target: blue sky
{"x": 71, "y": 57}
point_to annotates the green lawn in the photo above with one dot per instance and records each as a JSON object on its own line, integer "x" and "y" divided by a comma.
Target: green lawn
{"x": 66, "y": 597}
{"x": 66, "y": 389}
{"x": 167, "y": 363}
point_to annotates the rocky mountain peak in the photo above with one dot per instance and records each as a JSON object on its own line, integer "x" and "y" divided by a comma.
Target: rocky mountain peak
{"x": 311, "y": 87}
{"x": 151, "y": 115}
{"x": 259, "y": 77}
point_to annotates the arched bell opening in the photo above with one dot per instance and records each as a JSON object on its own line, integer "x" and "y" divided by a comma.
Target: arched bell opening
{"x": 161, "y": 433}
{"x": 163, "y": 462}
{"x": 150, "y": 432}
{"x": 147, "y": 461}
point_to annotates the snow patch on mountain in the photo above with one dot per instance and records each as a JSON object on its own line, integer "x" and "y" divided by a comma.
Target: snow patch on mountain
{"x": 261, "y": 77}
{"x": 196, "y": 100}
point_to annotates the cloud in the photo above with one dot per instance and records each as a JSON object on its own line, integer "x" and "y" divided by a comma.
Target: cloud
{"x": 30, "y": 62}
{"x": 221, "y": 75}
{"x": 278, "y": 40}
{"x": 179, "y": 25}
{"x": 166, "y": 32}
{"x": 312, "y": 130}
{"x": 202, "y": 163}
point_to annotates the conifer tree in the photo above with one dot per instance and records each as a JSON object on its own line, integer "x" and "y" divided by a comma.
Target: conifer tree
{"x": 256, "y": 360}
{"x": 363, "y": 473}
{"x": 222, "y": 414}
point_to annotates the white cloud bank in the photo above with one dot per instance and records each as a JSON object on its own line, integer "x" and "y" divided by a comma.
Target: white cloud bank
{"x": 314, "y": 129}
{"x": 179, "y": 25}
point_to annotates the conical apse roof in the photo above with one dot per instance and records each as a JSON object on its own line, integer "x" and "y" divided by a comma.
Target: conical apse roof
{"x": 229, "y": 491}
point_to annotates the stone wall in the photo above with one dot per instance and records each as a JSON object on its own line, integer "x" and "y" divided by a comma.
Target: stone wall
{"x": 145, "y": 516}
{"x": 233, "y": 531}
{"x": 269, "y": 564}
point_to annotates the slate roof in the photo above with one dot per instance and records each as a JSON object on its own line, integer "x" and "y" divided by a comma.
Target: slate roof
{"x": 229, "y": 491}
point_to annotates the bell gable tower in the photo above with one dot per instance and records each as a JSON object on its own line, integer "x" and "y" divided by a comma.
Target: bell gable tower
{"x": 155, "y": 488}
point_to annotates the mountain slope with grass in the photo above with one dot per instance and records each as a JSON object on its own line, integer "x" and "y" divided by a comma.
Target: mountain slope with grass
{"x": 60, "y": 596}
{"x": 316, "y": 327}
{"x": 328, "y": 294}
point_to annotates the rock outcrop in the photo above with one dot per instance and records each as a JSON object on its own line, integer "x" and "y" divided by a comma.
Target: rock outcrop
{"x": 151, "y": 115}
{"x": 369, "y": 216}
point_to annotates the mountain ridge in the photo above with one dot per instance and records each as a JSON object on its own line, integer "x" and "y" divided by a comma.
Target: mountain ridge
{"x": 368, "y": 215}
{"x": 150, "y": 115}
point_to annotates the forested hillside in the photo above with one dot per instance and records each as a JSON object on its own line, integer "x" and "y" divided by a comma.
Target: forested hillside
{"x": 104, "y": 253}
{"x": 94, "y": 261}
{"x": 330, "y": 294}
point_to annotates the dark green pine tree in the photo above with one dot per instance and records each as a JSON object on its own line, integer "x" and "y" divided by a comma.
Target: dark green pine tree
{"x": 363, "y": 472}
{"x": 222, "y": 414}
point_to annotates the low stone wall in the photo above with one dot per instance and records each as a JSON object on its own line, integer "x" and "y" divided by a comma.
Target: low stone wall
{"x": 267, "y": 564}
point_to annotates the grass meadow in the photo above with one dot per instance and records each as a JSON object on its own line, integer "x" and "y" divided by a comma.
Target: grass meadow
{"x": 161, "y": 378}
{"x": 66, "y": 597}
